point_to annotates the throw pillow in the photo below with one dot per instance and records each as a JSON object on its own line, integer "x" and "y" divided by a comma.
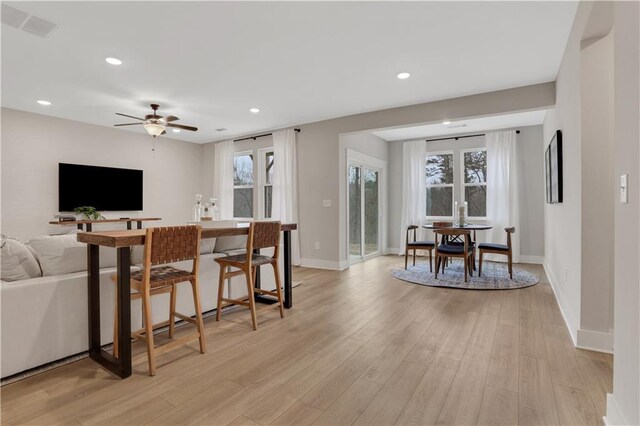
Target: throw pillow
{"x": 18, "y": 262}
{"x": 63, "y": 254}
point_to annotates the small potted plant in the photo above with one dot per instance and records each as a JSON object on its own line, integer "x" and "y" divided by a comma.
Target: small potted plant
{"x": 89, "y": 212}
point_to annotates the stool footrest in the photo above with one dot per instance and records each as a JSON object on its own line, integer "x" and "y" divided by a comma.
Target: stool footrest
{"x": 236, "y": 302}
{"x": 185, "y": 318}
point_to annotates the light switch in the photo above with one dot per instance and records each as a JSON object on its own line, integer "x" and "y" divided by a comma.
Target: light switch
{"x": 326, "y": 203}
{"x": 624, "y": 190}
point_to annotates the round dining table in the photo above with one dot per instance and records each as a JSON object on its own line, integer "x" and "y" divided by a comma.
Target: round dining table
{"x": 470, "y": 226}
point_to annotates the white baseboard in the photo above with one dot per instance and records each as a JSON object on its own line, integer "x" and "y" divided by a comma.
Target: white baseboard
{"x": 569, "y": 322}
{"x": 394, "y": 250}
{"x": 538, "y": 260}
{"x": 595, "y": 340}
{"x": 321, "y": 264}
{"x": 614, "y": 416}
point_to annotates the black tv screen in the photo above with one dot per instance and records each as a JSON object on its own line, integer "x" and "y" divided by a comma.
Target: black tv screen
{"x": 105, "y": 188}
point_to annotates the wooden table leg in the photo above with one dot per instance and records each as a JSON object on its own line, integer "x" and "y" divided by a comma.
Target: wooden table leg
{"x": 288, "y": 285}
{"x": 120, "y": 366}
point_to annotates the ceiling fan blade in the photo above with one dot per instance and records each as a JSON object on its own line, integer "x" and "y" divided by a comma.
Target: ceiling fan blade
{"x": 170, "y": 118}
{"x": 130, "y": 116}
{"x": 127, "y": 124}
{"x": 181, "y": 126}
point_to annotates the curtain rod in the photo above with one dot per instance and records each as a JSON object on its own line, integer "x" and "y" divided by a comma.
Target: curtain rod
{"x": 462, "y": 137}
{"x": 259, "y": 136}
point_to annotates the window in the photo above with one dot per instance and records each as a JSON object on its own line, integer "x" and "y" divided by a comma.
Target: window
{"x": 243, "y": 185}
{"x": 268, "y": 183}
{"x": 474, "y": 169}
{"x": 247, "y": 175}
{"x": 439, "y": 171}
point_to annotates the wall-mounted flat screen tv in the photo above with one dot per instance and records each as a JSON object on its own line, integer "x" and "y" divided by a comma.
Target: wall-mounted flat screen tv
{"x": 105, "y": 188}
{"x": 553, "y": 169}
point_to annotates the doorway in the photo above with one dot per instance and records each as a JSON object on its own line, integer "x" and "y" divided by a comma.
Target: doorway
{"x": 364, "y": 207}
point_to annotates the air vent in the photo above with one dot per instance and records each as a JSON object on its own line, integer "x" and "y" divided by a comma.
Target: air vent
{"x": 30, "y": 23}
{"x": 38, "y": 26}
{"x": 13, "y": 17}
{"x": 221, "y": 129}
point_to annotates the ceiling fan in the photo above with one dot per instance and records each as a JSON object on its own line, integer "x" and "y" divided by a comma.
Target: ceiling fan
{"x": 155, "y": 124}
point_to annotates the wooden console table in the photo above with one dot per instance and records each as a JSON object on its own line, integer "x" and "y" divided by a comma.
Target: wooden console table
{"x": 87, "y": 223}
{"x": 122, "y": 241}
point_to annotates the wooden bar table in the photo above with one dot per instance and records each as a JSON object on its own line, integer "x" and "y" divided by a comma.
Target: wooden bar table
{"x": 88, "y": 222}
{"x": 122, "y": 241}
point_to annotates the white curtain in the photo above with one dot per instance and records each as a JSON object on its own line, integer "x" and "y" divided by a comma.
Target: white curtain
{"x": 502, "y": 190}
{"x": 223, "y": 178}
{"x": 285, "y": 185}
{"x": 414, "y": 188}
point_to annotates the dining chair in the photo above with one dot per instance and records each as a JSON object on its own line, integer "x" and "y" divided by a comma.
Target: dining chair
{"x": 458, "y": 241}
{"x": 445, "y": 250}
{"x": 499, "y": 249}
{"x": 417, "y": 245}
{"x": 261, "y": 235}
{"x": 165, "y": 245}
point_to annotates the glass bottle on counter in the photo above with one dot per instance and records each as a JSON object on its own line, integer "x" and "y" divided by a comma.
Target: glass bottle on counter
{"x": 215, "y": 212}
{"x": 197, "y": 209}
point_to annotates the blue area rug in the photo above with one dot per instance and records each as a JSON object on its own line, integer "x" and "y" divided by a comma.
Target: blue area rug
{"x": 495, "y": 276}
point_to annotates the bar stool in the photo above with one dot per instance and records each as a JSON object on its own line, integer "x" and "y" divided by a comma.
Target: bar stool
{"x": 261, "y": 235}
{"x": 162, "y": 246}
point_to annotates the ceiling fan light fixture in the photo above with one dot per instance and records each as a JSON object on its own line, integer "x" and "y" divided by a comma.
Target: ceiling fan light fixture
{"x": 154, "y": 129}
{"x": 175, "y": 130}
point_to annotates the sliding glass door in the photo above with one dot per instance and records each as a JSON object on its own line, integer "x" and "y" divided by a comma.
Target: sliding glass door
{"x": 363, "y": 184}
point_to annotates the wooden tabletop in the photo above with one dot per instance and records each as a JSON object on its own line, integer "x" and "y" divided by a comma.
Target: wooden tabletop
{"x": 136, "y": 237}
{"x": 83, "y": 221}
{"x": 469, "y": 226}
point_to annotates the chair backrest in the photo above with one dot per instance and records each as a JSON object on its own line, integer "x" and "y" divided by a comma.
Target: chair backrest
{"x": 453, "y": 232}
{"x": 509, "y": 230}
{"x": 443, "y": 224}
{"x": 409, "y": 229}
{"x": 264, "y": 235}
{"x": 172, "y": 244}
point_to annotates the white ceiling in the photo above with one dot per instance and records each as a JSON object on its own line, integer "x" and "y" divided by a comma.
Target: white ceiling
{"x": 299, "y": 62}
{"x": 466, "y": 126}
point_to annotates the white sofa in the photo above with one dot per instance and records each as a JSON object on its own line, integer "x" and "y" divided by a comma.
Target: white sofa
{"x": 45, "y": 319}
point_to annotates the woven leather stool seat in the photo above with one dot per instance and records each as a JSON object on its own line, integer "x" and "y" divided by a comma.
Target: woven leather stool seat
{"x": 164, "y": 276}
{"x": 256, "y": 259}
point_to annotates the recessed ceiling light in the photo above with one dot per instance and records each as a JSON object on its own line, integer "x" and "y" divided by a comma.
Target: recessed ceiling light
{"x": 43, "y": 102}
{"x": 175, "y": 130}
{"x": 403, "y": 75}
{"x": 254, "y": 110}
{"x": 113, "y": 61}
{"x": 446, "y": 123}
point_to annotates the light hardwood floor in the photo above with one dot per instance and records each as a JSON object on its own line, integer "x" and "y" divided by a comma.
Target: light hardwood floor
{"x": 359, "y": 347}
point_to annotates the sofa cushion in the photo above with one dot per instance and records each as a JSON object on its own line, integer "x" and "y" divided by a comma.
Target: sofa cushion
{"x": 63, "y": 254}
{"x": 224, "y": 244}
{"x": 18, "y": 261}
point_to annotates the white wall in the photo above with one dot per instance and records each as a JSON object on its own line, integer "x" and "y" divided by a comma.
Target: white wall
{"x": 623, "y": 406}
{"x": 579, "y": 247}
{"x": 563, "y": 226}
{"x": 33, "y": 145}
{"x": 531, "y": 188}
{"x": 596, "y": 319}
